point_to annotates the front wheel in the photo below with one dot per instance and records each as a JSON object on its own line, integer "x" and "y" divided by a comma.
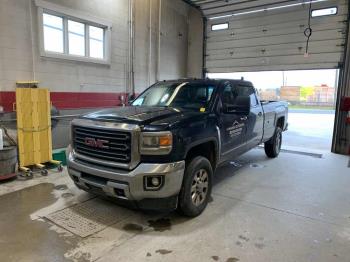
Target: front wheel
{"x": 196, "y": 187}
{"x": 273, "y": 146}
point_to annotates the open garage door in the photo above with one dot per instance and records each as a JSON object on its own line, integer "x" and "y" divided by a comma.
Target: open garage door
{"x": 260, "y": 35}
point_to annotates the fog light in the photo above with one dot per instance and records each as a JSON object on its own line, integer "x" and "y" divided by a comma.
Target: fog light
{"x": 153, "y": 183}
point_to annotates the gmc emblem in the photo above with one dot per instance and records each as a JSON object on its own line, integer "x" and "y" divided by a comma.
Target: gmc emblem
{"x": 98, "y": 143}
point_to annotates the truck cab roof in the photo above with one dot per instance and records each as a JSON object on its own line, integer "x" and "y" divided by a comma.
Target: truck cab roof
{"x": 215, "y": 81}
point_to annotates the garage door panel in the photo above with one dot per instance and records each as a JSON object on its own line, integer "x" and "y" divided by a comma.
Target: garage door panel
{"x": 276, "y": 67}
{"x": 263, "y": 38}
{"x": 290, "y": 38}
{"x": 223, "y": 8}
{"x": 285, "y": 59}
{"x": 272, "y": 33}
{"x": 325, "y": 44}
{"x": 241, "y": 22}
{"x": 293, "y": 50}
{"x": 331, "y": 22}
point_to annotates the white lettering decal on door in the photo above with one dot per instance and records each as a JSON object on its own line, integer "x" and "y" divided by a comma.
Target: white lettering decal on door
{"x": 236, "y": 129}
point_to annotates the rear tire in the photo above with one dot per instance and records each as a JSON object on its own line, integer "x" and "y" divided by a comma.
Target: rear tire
{"x": 196, "y": 187}
{"x": 273, "y": 146}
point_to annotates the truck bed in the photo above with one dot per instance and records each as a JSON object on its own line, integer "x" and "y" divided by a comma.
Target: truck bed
{"x": 274, "y": 110}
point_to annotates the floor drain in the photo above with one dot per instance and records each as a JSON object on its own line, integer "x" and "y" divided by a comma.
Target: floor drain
{"x": 257, "y": 166}
{"x": 89, "y": 217}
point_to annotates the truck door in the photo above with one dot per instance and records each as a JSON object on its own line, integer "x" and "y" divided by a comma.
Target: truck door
{"x": 255, "y": 119}
{"x": 232, "y": 126}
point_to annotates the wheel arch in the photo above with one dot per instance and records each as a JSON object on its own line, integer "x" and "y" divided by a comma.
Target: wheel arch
{"x": 208, "y": 148}
{"x": 281, "y": 122}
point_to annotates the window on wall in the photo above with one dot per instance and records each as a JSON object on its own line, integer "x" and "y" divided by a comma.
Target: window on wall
{"x": 53, "y": 33}
{"x": 63, "y": 34}
{"x": 66, "y": 36}
{"x": 96, "y": 41}
{"x": 76, "y": 38}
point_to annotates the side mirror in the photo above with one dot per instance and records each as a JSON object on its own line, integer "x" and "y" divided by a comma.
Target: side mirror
{"x": 131, "y": 98}
{"x": 241, "y": 106}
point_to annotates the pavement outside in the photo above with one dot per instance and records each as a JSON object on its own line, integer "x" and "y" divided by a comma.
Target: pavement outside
{"x": 293, "y": 208}
{"x": 309, "y": 129}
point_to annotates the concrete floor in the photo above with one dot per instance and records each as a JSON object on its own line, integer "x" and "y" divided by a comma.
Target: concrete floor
{"x": 293, "y": 208}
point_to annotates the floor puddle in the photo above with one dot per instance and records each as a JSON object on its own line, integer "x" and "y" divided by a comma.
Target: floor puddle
{"x": 23, "y": 239}
{"x": 133, "y": 227}
{"x": 160, "y": 225}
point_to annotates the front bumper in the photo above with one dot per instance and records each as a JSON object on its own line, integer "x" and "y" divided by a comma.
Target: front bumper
{"x": 128, "y": 184}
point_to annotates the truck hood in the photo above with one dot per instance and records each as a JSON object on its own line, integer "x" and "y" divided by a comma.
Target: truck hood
{"x": 136, "y": 115}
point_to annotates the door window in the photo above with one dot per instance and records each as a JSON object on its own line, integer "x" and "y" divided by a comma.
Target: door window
{"x": 230, "y": 94}
{"x": 248, "y": 91}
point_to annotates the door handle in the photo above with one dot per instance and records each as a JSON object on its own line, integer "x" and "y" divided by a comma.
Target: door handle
{"x": 260, "y": 114}
{"x": 244, "y": 118}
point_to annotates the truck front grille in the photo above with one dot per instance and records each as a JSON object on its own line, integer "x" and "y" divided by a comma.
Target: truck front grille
{"x": 103, "y": 144}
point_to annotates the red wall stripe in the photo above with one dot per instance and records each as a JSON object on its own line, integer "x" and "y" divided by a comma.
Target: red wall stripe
{"x": 70, "y": 100}
{"x": 6, "y": 100}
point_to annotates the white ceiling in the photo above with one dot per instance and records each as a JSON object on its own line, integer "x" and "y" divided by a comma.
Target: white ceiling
{"x": 216, "y": 8}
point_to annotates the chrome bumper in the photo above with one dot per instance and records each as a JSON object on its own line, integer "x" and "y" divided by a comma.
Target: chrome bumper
{"x": 131, "y": 182}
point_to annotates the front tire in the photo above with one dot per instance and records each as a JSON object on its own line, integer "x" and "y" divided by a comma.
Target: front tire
{"x": 196, "y": 187}
{"x": 273, "y": 146}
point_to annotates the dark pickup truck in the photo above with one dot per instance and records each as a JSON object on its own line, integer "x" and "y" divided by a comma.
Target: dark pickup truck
{"x": 162, "y": 150}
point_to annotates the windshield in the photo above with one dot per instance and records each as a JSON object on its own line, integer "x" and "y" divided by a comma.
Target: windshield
{"x": 185, "y": 95}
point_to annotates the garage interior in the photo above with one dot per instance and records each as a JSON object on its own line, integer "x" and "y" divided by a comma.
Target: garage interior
{"x": 292, "y": 208}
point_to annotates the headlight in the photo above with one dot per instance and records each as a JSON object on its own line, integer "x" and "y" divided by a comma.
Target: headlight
{"x": 156, "y": 143}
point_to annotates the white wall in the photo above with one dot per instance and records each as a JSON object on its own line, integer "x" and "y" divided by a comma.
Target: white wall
{"x": 19, "y": 48}
{"x": 195, "y": 44}
{"x": 20, "y": 58}
{"x": 181, "y": 38}
{"x": 146, "y": 51}
{"x": 174, "y": 35}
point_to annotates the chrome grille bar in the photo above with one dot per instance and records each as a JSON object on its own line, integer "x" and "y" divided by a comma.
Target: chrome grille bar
{"x": 107, "y": 144}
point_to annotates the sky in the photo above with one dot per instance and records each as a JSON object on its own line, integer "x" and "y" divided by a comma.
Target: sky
{"x": 274, "y": 79}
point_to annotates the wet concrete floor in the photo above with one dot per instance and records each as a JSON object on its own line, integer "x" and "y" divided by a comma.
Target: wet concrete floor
{"x": 293, "y": 208}
{"x": 22, "y": 238}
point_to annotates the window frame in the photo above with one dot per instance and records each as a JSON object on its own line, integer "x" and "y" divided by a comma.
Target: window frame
{"x": 325, "y": 8}
{"x": 76, "y": 16}
{"x": 220, "y": 29}
{"x": 85, "y": 36}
